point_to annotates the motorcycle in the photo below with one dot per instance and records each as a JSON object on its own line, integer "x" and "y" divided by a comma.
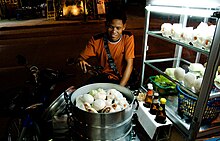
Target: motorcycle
{"x": 30, "y": 108}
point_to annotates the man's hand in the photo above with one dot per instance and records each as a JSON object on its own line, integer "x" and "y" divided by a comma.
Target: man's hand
{"x": 83, "y": 65}
{"x": 127, "y": 72}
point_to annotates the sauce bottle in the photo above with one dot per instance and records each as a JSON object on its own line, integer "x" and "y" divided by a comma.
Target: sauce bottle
{"x": 162, "y": 104}
{"x": 160, "y": 117}
{"x": 155, "y": 104}
{"x": 149, "y": 96}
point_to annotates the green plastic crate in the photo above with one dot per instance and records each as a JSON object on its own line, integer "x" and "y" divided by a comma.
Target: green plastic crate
{"x": 163, "y": 90}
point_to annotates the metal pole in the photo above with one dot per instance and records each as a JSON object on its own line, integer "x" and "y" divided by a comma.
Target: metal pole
{"x": 145, "y": 45}
{"x": 207, "y": 83}
{"x": 94, "y": 8}
{"x": 84, "y": 8}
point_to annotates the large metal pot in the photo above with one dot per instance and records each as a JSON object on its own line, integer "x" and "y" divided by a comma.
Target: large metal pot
{"x": 57, "y": 106}
{"x": 103, "y": 126}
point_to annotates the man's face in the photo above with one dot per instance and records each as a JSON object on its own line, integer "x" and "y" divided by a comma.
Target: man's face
{"x": 114, "y": 29}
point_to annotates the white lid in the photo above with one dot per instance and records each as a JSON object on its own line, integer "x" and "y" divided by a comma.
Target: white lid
{"x": 150, "y": 86}
{"x": 156, "y": 94}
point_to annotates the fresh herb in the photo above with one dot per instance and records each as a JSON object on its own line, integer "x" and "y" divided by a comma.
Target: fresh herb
{"x": 164, "y": 82}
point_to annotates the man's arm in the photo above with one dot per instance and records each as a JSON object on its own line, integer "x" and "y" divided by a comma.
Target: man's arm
{"x": 83, "y": 64}
{"x": 85, "y": 54}
{"x": 127, "y": 72}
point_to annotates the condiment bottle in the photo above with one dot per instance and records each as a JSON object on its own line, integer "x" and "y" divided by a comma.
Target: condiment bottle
{"x": 155, "y": 104}
{"x": 149, "y": 96}
{"x": 162, "y": 104}
{"x": 160, "y": 117}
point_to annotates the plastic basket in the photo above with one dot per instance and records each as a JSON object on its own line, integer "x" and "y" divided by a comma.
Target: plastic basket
{"x": 163, "y": 91}
{"x": 187, "y": 103}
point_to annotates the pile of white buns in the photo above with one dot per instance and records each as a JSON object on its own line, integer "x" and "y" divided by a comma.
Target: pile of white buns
{"x": 200, "y": 37}
{"x": 192, "y": 79}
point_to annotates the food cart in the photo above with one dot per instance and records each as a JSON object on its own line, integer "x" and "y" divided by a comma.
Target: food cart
{"x": 193, "y": 111}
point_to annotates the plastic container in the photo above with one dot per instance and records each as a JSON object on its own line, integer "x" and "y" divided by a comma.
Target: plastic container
{"x": 163, "y": 91}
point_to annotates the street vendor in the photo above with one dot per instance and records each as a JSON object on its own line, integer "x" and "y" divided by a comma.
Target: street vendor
{"x": 114, "y": 50}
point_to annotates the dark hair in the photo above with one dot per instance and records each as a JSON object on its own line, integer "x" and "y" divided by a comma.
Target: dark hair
{"x": 116, "y": 12}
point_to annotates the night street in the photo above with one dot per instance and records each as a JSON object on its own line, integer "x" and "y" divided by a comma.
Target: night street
{"x": 50, "y": 46}
{"x": 172, "y": 94}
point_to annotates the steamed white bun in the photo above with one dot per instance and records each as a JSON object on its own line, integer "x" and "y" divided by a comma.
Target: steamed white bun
{"x": 197, "y": 84}
{"x": 179, "y": 73}
{"x": 189, "y": 80}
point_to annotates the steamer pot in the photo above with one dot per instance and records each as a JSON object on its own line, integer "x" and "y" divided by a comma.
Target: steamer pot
{"x": 103, "y": 126}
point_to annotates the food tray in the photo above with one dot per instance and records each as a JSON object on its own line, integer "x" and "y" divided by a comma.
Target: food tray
{"x": 163, "y": 91}
{"x": 187, "y": 103}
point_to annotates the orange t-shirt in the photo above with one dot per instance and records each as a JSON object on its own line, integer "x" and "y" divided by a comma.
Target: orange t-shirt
{"x": 121, "y": 50}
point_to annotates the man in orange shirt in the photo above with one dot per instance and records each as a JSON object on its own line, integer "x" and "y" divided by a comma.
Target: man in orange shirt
{"x": 120, "y": 44}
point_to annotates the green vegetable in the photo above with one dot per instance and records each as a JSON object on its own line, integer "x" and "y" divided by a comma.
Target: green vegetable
{"x": 164, "y": 82}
